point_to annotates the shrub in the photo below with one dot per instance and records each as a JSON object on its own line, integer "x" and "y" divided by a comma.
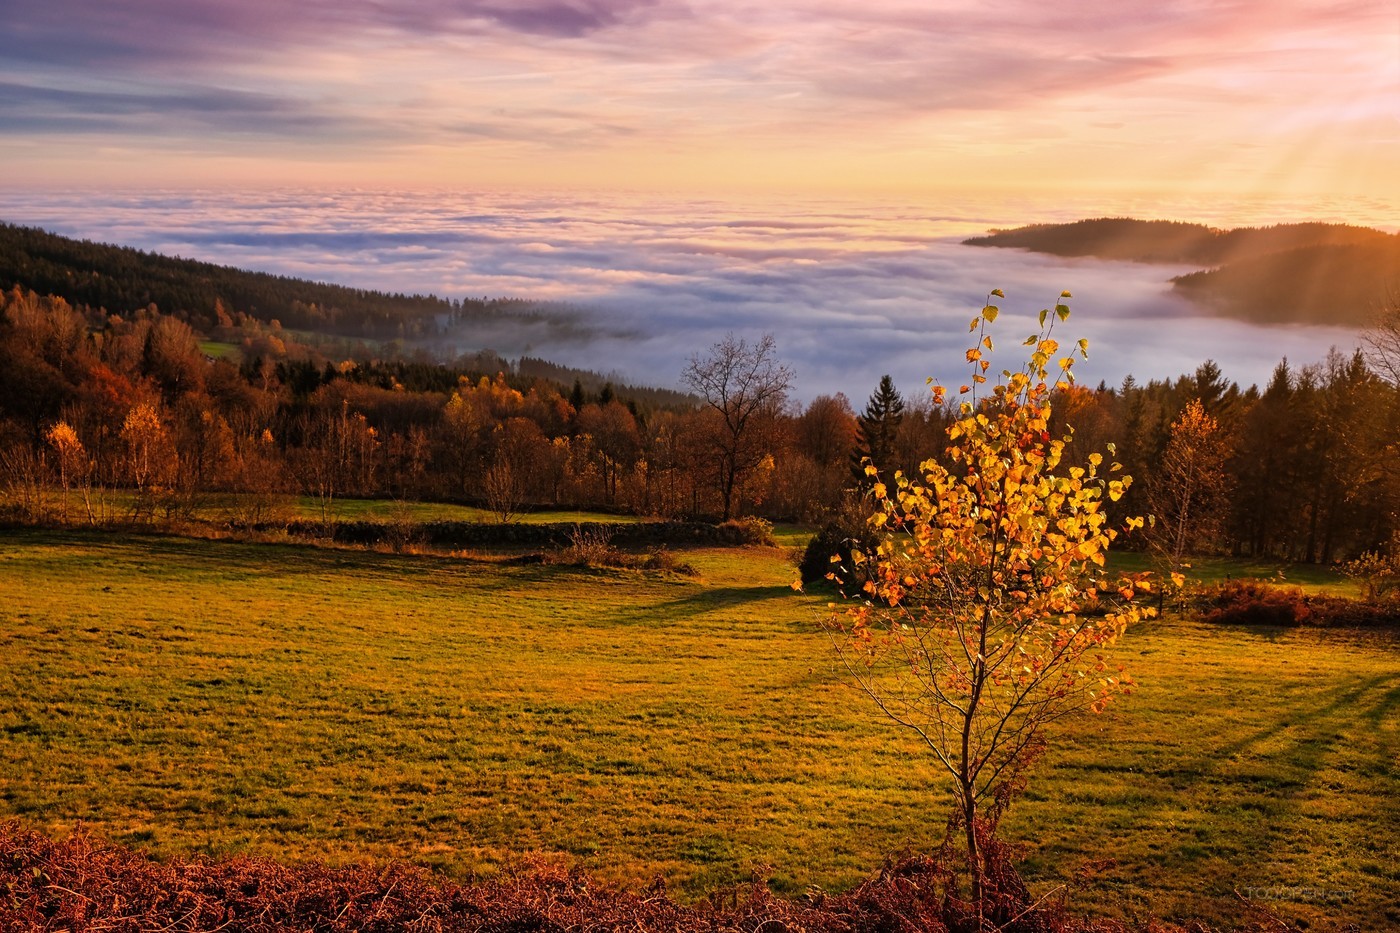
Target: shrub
{"x": 590, "y": 547}
{"x": 1378, "y": 574}
{"x": 593, "y": 548}
{"x": 837, "y": 539}
{"x": 749, "y": 530}
{"x": 1251, "y": 602}
{"x": 659, "y": 558}
{"x": 1339, "y": 612}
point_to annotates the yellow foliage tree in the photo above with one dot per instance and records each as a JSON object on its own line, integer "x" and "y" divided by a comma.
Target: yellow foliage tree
{"x": 988, "y": 607}
{"x": 1190, "y": 493}
{"x": 72, "y": 461}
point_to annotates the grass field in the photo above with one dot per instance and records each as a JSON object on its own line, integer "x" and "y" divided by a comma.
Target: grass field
{"x": 196, "y": 696}
{"x": 218, "y": 350}
{"x": 382, "y": 510}
{"x": 217, "y": 507}
{"x": 1313, "y": 578}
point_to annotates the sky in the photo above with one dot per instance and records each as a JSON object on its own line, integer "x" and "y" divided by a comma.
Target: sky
{"x": 680, "y": 169}
{"x": 882, "y": 97}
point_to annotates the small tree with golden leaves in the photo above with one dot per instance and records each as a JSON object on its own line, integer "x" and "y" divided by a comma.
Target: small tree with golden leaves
{"x": 73, "y": 464}
{"x": 1190, "y": 491}
{"x": 988, "y": 607}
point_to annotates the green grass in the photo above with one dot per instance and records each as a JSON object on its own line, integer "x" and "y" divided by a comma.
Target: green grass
{"x": 217, "y": 507}
{"x": 386, "y": 509}
{"x": 194, "y": 696}
{"x": 1314, "y": 578}
{"x": 792, "y": 536}
{"x": 220, "y": 351}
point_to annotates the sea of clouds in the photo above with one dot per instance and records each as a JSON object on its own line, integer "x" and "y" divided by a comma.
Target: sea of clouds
{"x": 850, "y": 290}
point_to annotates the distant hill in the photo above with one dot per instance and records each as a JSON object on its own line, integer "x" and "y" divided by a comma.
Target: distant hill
{"x": 1343, "y": 285}
{"x": 121, "y": 280}
{"x": 1311, "y": 273}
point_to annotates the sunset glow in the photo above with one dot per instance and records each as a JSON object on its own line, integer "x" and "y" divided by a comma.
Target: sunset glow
{"x": 886, "y": 96}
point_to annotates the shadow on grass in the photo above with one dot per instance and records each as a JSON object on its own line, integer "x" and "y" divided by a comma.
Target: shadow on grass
{"x": 1267, "y": 774}
{"x": 701, "y": 603}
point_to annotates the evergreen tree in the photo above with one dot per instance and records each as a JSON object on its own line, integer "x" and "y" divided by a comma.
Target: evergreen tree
{"x": 876, "y": 428}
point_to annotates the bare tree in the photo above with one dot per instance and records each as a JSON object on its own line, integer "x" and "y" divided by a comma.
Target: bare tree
{"x": 1383, "y": 342}
{"x": 746, "y": 387}
{"x": 504, "y": 489}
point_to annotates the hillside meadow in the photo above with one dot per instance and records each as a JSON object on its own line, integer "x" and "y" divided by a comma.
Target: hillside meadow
{"x": 188, "y": 696}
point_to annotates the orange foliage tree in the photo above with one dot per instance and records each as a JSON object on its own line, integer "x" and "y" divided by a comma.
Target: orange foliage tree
{"x": 73, "y": 464}
{"x": 1189, "y": 495}
{"x": 988, "y": 606}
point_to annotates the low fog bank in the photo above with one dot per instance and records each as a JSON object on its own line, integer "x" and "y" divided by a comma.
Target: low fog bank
{"x": 849, "y": 291}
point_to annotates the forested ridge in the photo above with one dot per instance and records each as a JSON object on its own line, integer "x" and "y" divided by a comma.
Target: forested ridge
{"x": 130, "y": 417}
{"x": 1314, "y": 273}
{"x": 121, "y": 279}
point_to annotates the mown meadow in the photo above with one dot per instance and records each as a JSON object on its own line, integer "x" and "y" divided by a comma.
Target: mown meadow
{"x": 191, "y": 696}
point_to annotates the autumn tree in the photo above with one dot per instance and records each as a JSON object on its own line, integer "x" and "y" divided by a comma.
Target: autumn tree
{"x": 815, "y": 472}
{"x": 74, "y": 467}
{"x": 667, "y": 484}
{"x": 744, "y": 386}
{"x": 150, "y": 456}
{"x": 615, "y": 442}
{"x": 827, "y": 430}
{"x": 337, "y": 456}
{"x": 988, "y": 608}
{"x": 1190, "y": 491}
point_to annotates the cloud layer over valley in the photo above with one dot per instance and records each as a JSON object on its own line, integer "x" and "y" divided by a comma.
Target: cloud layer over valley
{"x": 850, "y": 290}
